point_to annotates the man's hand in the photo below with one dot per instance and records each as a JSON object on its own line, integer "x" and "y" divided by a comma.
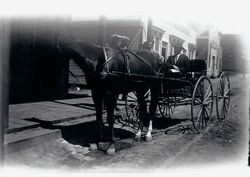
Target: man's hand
{"x": 176, "y": 67}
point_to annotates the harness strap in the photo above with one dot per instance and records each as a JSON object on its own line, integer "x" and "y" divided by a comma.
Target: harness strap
{"x": 126, "y": 60}
{"x": 123, "y": 53}
{"x": 126, "y": 57}
{"x": 137, "y": 56}
{"x": 106, "y": 60}
{"x": 105, "y": 65}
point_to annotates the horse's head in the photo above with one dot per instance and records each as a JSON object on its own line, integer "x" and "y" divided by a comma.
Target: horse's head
{"x": 65, "y": 45}
{"x": 118, "y": 41}
{"x": 87, "y": 56}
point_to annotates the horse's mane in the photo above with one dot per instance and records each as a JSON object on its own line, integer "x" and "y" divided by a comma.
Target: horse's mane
{"x": 71, "y": 38}
{"x": 80, "y": 47}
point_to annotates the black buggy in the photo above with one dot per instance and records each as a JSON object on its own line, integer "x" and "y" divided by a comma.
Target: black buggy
{"x": 193, "y": 88}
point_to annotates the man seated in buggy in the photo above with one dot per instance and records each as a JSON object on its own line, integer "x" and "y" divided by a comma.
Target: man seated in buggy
{"x": 178, "y": 63}
{"x": 176, "y": 66}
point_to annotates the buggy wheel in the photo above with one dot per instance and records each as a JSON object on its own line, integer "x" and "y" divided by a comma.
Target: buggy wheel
{"x": 202, "y": 103}
{"x": 222, "y": 96}
{"x": 165, "y": 108}
{"x": 132, "y": 107}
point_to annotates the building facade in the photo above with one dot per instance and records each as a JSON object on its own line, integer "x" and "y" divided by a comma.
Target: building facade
{"x": 165, "y": 34}
{"x": 99, "y": 31}
{"x": 37, "y": 72}
{"x": 169, "y": 35}
{"x": 234, "y": 54}
{"x": 210, "y": 49}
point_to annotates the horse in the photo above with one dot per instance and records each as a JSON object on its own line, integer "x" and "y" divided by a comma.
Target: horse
{"x": 98, "y": 63}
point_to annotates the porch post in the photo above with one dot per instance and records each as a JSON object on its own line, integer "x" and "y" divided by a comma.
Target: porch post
{"x": 149, "y": 31}
{"x": 4, "y": 83}
{"x": 102, "y": 36}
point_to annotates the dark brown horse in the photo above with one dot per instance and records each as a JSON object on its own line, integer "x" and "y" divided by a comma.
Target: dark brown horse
{"x": 99, "y": 65}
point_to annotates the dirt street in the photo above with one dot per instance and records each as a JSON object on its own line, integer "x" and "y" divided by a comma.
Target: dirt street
{"x": 220, "y": 143}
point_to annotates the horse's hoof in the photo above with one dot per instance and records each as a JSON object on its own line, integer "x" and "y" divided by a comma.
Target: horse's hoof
{"x": 138, "y": 138}
{"x": 149, "y": 138}
{"x": 111, "y": 150}
{"x": 93, "y": 147}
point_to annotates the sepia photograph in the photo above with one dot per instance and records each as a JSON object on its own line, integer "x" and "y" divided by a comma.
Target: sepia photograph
{"x": 123, "y": 87}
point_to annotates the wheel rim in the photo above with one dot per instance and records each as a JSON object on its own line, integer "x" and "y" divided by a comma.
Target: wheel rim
{"x": 202, "y": 103}
{"x": 222, "y": 96}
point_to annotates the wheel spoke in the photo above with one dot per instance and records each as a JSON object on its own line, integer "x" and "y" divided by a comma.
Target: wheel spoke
{"x": 198, "y": 106}
{"x": 205, "y": 111}
{"x": 227, "y": 92}
{"x": 131, "y": 97}
{"x": 208, "y": 110}
{"x": 226, "y": 87}
{"x": 208, "y": 101}
{"x": 199, "y": 91}
{"x": 200, "y": 122}
{"x": 207, "y": 92}
{"x": 227, "y": 102}
{"x": 225, "y": 109}
{"x": 225, "y": 106}
{"x": 204, "y": 119}
{"x": 208, "y": 96}
{"x": 199, "y": 114}
{"x": 208, "y": 107}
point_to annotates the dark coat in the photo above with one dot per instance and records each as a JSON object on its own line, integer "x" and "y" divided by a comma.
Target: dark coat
{"x": 182, "y": 63}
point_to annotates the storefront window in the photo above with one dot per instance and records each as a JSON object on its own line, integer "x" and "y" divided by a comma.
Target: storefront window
{"x": 190, "y": 56}
{"x": 217, "y": 62}
{"x": 157, "y": 44}
{"x": 164, "y": 49}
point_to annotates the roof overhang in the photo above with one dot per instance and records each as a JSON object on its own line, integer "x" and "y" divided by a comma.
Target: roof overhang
{"x": 191, "y": 46}
{"x": 155, "y": 28}
{"x": 175, "y": 40}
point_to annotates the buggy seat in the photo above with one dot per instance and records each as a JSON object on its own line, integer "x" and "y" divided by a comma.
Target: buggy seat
{"x": 197, "y": 68}
{"x": 197, "y": 65}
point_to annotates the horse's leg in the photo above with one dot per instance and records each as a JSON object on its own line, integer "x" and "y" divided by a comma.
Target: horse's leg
{"x": 110, "y": 101}
{"x": 152, "y": 109}
{"x": 99, "y": 104}
{"x": 142, "y": 112}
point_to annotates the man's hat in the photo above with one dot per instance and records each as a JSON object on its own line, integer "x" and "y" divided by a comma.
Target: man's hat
{"x": 183, "y": 48}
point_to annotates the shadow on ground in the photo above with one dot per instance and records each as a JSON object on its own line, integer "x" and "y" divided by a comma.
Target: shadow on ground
{"x": 86, "y": 133}
{"x": 89, "y": 106}
{"x": 83, "y": 133}
{"x": 163, "y": 123}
